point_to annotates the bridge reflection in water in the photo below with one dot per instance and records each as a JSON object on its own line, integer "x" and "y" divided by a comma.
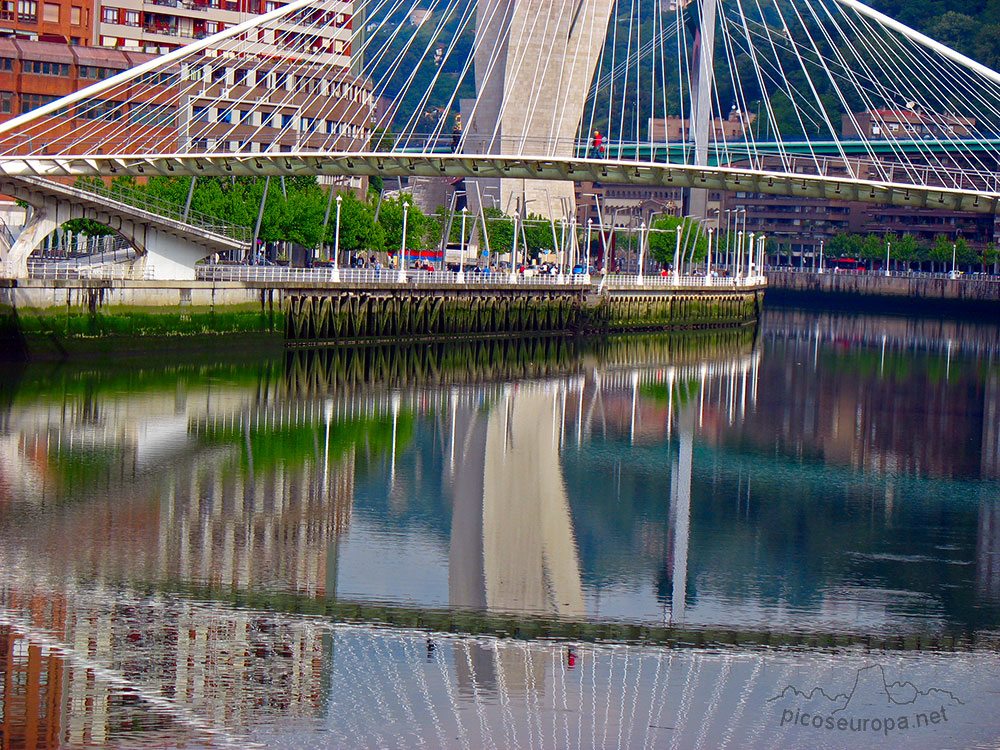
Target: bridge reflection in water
{"x": 173, "y": 548}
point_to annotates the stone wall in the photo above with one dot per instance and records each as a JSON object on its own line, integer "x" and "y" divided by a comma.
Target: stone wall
{"x": 904, "y": 292}
{"x": 56, "y": 319}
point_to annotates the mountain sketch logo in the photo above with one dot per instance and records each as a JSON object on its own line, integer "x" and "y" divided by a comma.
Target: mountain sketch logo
{"x": 870, "y": 683}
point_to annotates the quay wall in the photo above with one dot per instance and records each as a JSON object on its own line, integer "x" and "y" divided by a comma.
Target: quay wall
{"x": 52, "y": 319}
{"x": 904, "y": 293}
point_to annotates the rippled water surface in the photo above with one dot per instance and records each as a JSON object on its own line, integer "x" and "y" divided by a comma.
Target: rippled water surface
{"x": 723, "y": 538}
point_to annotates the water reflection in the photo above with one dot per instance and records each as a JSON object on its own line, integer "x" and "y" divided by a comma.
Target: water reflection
{"x": 180, "y": 548}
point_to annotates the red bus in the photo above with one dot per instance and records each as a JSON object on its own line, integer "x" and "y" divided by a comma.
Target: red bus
{"x": 847, "y": 264}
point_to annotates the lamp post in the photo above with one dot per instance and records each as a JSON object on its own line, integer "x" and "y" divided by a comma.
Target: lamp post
{"x": 401, "y": 275}
{"x": 751, "y": 248}
{"x": 821, "y": 268}
{"x": 738, "y": 265}
{"x": 954, "y": 256}
{"x": 590, "y": 230}
{"x": 335, "y": 274}
{"x": 887, "y": 245}
{"x": 574, "y": 247}
{"x": 708, "y": 259}
{"x": 512, "y": 276}
{"x": 677, "y": 257}
{"x": 461, "y": 252}
{"x": 642, "y": 247}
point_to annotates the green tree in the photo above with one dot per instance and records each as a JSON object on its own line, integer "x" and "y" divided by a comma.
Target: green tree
{"x": 663, "y": 239}
{"x": 906, "y": 249}
{"x": 358, "y": 230}
{"x": 537, "y": 234}
{"x": 844, "y": 245}
{"x": 499, "y": 229}
{"x": 390, "y": 218}
{"x": 941, "y": 252}
{"x": 990, "y": 256}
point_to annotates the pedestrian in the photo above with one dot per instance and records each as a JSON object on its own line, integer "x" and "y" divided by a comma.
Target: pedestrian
{"x": 456, "y": 136}
{"x": 597, "y": 146}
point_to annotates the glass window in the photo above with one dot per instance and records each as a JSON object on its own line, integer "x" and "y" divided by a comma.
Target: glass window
{"x": 27, "y": 11}
{"x": 109, "y": 15}
{"x": 75, "y": 15}
{"x": 50, "y": 12}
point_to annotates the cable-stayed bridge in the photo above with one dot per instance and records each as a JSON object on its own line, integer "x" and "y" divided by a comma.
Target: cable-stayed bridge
{"x": 823, "y": 99}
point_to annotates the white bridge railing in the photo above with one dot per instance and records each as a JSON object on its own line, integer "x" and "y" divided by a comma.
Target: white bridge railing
{"x": 346, "y": 276}
{"x": 74, "y": 272}
{"x": 64, "y": 271}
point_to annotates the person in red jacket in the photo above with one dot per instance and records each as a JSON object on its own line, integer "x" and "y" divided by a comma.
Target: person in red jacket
{"x": 597, "y": 146}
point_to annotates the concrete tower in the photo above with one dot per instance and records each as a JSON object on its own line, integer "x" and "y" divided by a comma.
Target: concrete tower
{"x": 534, "y": 62}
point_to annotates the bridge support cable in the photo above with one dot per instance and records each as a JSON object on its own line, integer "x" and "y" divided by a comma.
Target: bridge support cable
{"x": 827, "y": 89}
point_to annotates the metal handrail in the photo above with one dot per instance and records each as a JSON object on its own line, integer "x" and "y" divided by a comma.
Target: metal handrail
{"x": 941, "y": 275}
{"x": 67, "y": 272}
{"x": 152, "y": 205}
{"x": 157, "y": 205}
{"x": 274, "y": 274}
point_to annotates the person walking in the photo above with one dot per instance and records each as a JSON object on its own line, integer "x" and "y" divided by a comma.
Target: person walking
{"x": 597, "y": 146}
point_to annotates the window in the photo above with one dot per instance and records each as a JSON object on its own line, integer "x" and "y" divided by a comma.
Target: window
{"x": 6, "y": 102}
{"x": 225, "y": 115}
{"x": 286, "y": 120}
{"x": 27, "y": 11}
{"x": 131, "y": 18}
{"x": 148, "y": 113}
{"x": 75, "y": 15}
{"x": 44, "y": 68}
{"x": 96, "y": 73}
{"x": 109, "y": 15}
{"x": 211, "y": 27}
{"x": 6, "y": 63}
{"x": 50, "y": 12}
{"x": 100, "y": 111}
{"x": 200, "y": 114}
{"x": 33, "y": 101}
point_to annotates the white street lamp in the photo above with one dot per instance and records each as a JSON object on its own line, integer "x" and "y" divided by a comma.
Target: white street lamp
{"x": 739, "y": 256}
{"x": 887, "y": 245}
{"x": 513, "y": 254}
{"x": 335, "y": 274}
{"x": 461, "y": 255}
{"x": 590, "y": 230}
{"x": 708, "y": 259}
{"x": 677, "y": 257}
{"x": 642, "y": 247}
{"x": 401, "y": 276}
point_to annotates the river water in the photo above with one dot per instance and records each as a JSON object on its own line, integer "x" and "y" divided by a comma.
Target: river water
{"x": 776, "y": 537}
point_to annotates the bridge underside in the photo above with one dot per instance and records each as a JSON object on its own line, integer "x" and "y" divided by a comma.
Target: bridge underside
{"x": 521, "y": 167}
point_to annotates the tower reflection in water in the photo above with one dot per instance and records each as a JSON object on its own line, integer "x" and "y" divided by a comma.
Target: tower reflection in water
{"x": 162, "y": 536}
